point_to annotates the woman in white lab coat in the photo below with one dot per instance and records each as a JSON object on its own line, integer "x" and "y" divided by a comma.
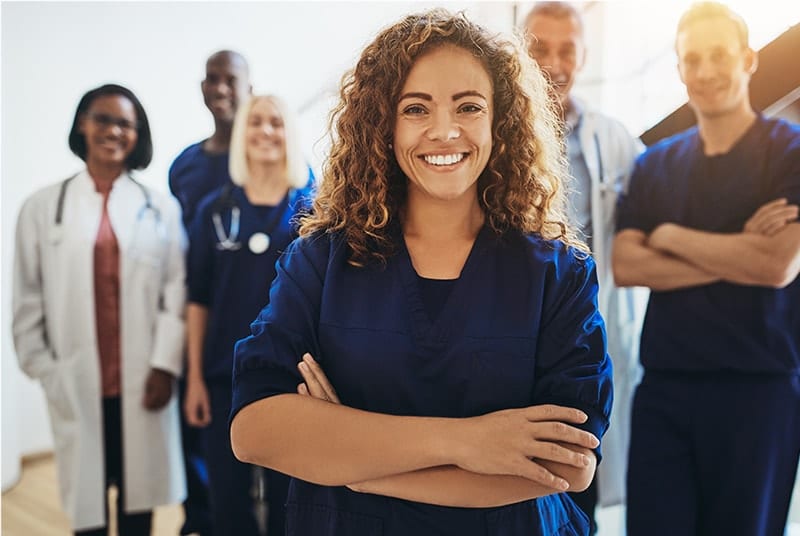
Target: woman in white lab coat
{"x": 98, "y": 305}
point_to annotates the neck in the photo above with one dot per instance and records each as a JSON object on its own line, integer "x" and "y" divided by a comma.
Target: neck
{"x": 220, "y": 140}
{"x": 267, "y": 184}
{"x": 103, "y": 173}
{"x": 442, "y": 221}
{"x": 721, "y": 132}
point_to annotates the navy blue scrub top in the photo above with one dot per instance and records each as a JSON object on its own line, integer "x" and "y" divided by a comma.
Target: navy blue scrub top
{"x": 193, "y": 175}
{"x": 234, "y": 285}
{"x": 520, "y": 327}
{"x": 720, "y": 326}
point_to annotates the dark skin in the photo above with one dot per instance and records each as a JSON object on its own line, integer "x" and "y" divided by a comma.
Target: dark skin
{"x": 226, "y": 84}
{"x": 157, "y": 389}
{"x": 107, "y": 148}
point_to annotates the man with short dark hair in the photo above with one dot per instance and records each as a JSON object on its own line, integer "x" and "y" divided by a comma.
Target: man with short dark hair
{"x": 710, "y": 225}
{"x": 203, "y": 166}
{"x": 199, "y": 169}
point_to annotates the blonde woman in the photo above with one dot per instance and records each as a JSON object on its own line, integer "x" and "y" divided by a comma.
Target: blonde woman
{"x": 237, "y": 235}
{"x": 439, "y": 290}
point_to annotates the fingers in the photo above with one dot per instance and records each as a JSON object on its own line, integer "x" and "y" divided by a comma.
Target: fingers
{"x": 533, "y": 471}
{"x": 771, "y": 217}
{"x": 779, "y": 219}
{"x": 552, "y": 451}
{"x": 564, "y": 433}
{"x": 316, "y": 382}
{"x": 551, "y": 412}
{"x": 197, "y": 412}
{"x": 322, "y": 378}
{"x": 196, "y": 416}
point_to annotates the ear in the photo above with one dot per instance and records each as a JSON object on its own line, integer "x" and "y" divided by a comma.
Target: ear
{"x": 581, "y": 60}
{"x": 680, "y": 72}
{"x": 750, "y": 61}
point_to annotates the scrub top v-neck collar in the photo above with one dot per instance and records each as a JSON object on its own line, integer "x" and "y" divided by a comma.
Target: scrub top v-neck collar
{"x": 437, "y": 332}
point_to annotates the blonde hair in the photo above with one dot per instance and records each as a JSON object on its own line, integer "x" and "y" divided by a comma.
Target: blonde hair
{"x": 714, "y": 10}
{"x": 296, "y": 168}
{"x": 363, "y": 189}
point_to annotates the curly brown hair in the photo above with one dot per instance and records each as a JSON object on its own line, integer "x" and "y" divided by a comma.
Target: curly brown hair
{"x": 363, "y": 190}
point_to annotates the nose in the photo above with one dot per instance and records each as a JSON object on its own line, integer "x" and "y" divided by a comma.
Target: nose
{"x": 114, "y": 129}
{"x": 444, "y": 127}
{"x": 704, "y": 69}
{"x": 221, "y": 88}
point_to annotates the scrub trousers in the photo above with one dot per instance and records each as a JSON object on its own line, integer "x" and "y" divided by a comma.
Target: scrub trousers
{"x": 712, "y": 453}
{"x": 128, "y": 524}
{"x": 231, "y": 482}
{"x": 196, "y": 511}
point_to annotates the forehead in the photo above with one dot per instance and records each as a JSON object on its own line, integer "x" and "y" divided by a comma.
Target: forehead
{"x": 225, "y": 63}
{"x": 264, "y": 107}
{"x": 116, "y": 104}
{"x": 707, "y": 34}
{"x": 546, "y": 29}
{"x": 448, "y": 68}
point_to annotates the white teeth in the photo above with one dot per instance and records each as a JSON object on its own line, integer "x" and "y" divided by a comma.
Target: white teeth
{"x": 444, "y": 159}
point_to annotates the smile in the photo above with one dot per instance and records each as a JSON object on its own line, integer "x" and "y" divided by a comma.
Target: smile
{"x": 444, "y": 159}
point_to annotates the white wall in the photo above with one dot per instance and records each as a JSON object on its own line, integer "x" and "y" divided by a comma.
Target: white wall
{"x": 52, "y": 53}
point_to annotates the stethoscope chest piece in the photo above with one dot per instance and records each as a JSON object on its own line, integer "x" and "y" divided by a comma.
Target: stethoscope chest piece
{"x": 258, "y": 243}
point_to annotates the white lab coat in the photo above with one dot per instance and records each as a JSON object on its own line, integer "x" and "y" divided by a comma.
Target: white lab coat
{"x": 622, "y": 308}
{"x": 56, "y": 340}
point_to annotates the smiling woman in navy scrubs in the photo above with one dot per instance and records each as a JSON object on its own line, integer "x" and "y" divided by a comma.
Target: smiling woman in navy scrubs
{"x": 237, "y": 235}
{"x": 437, "y": 287}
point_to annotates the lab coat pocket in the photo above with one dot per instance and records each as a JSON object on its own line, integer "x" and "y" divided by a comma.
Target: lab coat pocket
{"x": 498, "y": 381}
{"x": 321, "y": 520}
{"x": 59, "y": 402}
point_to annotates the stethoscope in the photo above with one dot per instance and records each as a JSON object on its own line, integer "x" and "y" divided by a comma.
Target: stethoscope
{"x": 148, "y": 202}
{"x": 147, "y": 207}
{"x": 259, "y": 241}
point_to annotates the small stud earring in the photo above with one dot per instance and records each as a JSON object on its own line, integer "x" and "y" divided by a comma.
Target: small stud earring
{"x": 391, "y": 146}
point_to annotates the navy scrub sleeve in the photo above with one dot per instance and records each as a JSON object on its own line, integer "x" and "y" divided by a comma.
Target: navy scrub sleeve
{"x": 567, "y": 373}
{"x": 265, "y": 363}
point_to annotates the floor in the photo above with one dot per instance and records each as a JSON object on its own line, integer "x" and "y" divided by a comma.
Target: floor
{"x": 32, "y": 508}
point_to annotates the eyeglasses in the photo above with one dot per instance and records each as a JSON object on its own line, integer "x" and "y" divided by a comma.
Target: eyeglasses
{"x": 105, "y": 120}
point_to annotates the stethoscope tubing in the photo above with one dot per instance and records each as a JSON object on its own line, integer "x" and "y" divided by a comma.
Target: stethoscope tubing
{"x": 148, "y": 202}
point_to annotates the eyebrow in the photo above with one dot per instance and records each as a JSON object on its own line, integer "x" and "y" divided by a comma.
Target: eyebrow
{"x": 457, "y": 96}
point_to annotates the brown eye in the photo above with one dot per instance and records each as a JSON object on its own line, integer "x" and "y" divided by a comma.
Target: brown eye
{"x": 414, "y": 109}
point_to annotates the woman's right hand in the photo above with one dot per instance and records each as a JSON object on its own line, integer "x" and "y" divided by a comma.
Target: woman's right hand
{"x": 509, "y": 442}
{"x": 196, "y": 405}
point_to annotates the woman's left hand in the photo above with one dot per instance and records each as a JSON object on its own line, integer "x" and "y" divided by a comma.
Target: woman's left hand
{"x": 316, "y": 383}
{"x": 157, "y": 389}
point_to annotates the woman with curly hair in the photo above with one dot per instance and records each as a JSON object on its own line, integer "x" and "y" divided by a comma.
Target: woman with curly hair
{"x": 438, "y": 286}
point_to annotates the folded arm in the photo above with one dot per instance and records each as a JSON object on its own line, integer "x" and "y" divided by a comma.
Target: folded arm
{"x": 451, "y": 485}
{"x": 637, "y": 264}
{"x": 745, "y": 258}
